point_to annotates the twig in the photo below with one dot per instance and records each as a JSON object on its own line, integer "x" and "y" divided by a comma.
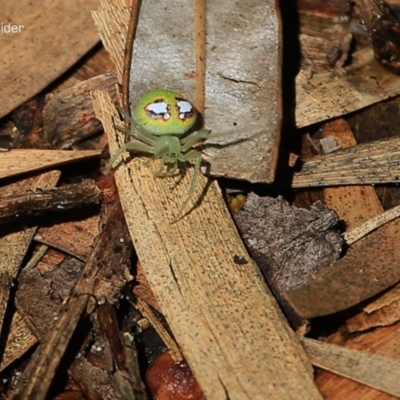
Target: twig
{"x": 33, "y": 204}
{"x": 128, "y": 52}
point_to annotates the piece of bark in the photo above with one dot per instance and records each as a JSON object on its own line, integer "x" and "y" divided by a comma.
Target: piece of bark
{"x": 368, "y": 163}
{"x": 323, "y": 96}
{"x": 27, "y": 131}
{"x": 325, "y": 38}
{"x": 103, "y": 277}
{"x": 383, "y": 29}
{"x": 277, "y": 232}
{"x": 328, "y": 8}
{"x": 353, "y": 278}
{"x": 41, "y": 294}
{"x": 19, "y": 340}
{"x": 126, "y": 375}
{"x": 14, "y": 245}
{"x": 95, "y": 382}
{"x": 288, "y": 243}
{"x": 383, "y": 342}
{"x": 68, "y": 115}
{"x": 71, "y": 237}
{"x": 60, "y": 33}
{"x": 375, "y": 371}
{"x": 36, "y": 203}
{"x": 20, "y": 161}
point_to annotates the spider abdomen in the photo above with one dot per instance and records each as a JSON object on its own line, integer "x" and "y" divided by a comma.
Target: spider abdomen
{"x": 163, "y": 112}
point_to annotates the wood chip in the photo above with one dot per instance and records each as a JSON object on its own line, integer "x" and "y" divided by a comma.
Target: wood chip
{"x": 20, "y": 161}
{"x": 364, "y": 83}
{"x": 367, "y": 163}
{"x": 376, "y": 371}
{"x": 369, "y": 267}
{"x": 13, "y": 246}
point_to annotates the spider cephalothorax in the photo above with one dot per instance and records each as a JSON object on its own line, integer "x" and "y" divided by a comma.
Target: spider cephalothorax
{"x": 163, "y": 125}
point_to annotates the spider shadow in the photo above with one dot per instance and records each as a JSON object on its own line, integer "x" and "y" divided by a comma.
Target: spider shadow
{"x": 201, "y": 196}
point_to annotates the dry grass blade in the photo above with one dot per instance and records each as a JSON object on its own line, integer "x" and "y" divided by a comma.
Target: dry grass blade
{"x": 20, "y": 161}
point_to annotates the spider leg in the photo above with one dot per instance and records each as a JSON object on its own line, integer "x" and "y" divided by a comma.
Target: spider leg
{"x": 174, "y": 170}
{"x": 160, "y": 172}
{"x": 130, "y": 146}
{"x": 193, "y": 138}
{"x": 159, "y": 153}
{"x": 138, "y": 132}
{"x": 137, "y": 135}
{"x": 191, "y": 155}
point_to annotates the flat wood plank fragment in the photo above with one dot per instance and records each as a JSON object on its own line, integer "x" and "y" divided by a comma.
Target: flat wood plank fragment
{"x": 383, "y": 342}
{"x": 324, "y": 96}
{"x": 353, "y": 204}
{"x": 59, "y": 32}
{"x": 19, "y": 340}
{"x": 383, "y": 311}
{"x": 370, "y": 369}
{"x": 20, "y": 161}
{"x": 367, "y": 163}
{"x": 225, "y": 320}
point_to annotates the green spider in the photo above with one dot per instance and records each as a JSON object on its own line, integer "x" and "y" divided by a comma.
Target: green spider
{"x": 163, "y": 125}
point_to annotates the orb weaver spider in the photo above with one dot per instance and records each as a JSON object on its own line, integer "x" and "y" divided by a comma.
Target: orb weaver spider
{"x": 163, "y": 125}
